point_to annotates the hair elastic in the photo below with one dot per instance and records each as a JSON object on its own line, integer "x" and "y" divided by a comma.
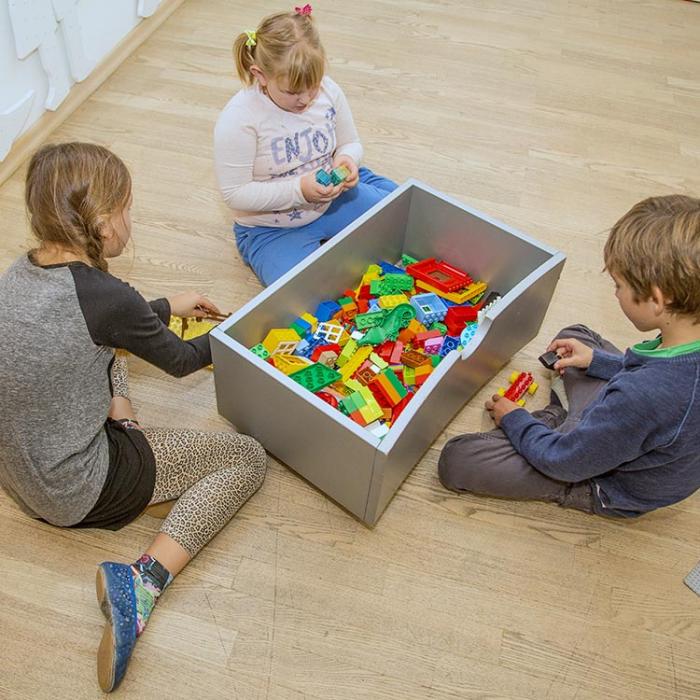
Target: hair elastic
{"x": 252, "y": 38}
{"x": 306, "y": 10}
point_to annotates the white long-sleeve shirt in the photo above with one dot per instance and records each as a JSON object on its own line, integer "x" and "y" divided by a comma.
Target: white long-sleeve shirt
{"x": 261, "y": 153}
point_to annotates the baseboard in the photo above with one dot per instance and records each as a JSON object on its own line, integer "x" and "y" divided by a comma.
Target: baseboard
{"x": 28, "y": 142}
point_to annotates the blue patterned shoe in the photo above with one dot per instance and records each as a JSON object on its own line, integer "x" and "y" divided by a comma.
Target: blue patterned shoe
{"x": 115, "y": 594}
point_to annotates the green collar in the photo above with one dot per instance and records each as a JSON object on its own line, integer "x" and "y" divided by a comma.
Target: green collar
{"x": 650, "y": 348}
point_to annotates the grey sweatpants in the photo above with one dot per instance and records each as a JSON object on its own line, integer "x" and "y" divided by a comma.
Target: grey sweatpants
{"x": 488, "y": 464}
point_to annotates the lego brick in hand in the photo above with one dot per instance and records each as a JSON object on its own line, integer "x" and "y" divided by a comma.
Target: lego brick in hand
{"x": 549, "y": 359}
{"x": 521, "y": 383}
{"x": 339, "y": 175}
{"x": 189, "y": 328}
{"x": 323, "y": 178}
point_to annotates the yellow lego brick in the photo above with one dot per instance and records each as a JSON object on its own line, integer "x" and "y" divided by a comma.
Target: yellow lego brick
{"x": 193, "y": 327}
{"x": 188, "y": 328}
{"x": 389, "y": 301}
{"x": 347, "y": 353}
{"x": 371, "y": 411}
{"x": 281, "y": 340}
{"x": 353, "y": 364}
{"x": 459, "y": 297}
{"x": 310, "y": 318}
{"x": 382, "y": 364}
{"x": 374, "y": 272}
{"x": 290, "y": 363}
{"x": 353, "y": 384}
{"x": 339, "y": 389}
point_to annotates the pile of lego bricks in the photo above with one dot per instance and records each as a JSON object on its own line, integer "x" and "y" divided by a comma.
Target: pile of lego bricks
{"x": 368, "y": 352}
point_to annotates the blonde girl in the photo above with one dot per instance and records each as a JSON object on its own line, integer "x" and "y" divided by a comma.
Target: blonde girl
{"x": 289, "y": 121}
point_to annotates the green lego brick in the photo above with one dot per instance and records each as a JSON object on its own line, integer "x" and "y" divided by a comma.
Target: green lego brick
{"x": 315, "y": 377}
{"x": 407, "y": 260}
{"x": 395, "y": 382}
{"x": 339, "y": 174}
{"x": 300, "y": 330}
{"x": 370, "y": 319}
{"x": 260, "y": 350}
{"x": 353, "y": 403}
{"x": 391, "y": 284}
{"x": 435, "y": 360}
{"x": 437, "y": 326}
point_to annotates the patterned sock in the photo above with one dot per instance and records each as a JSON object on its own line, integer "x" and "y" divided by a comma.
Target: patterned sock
{"x": 151, "y": 578}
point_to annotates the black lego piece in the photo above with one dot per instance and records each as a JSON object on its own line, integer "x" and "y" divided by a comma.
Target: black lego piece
{"x": 549, "y": 359}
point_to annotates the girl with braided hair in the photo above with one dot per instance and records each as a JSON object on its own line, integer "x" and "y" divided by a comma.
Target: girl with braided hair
{"x": 71, "y": 450}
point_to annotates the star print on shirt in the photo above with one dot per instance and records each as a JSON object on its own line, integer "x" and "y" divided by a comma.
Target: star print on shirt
{"x": 294, "y": 214}
{"x": 330, "y": 114}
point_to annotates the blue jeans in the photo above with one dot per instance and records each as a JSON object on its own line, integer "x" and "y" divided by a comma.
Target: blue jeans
{"x": 272, "y": 251}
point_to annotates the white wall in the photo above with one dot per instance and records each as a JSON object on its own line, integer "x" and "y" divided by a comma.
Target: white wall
{"x": 46, "y": 46}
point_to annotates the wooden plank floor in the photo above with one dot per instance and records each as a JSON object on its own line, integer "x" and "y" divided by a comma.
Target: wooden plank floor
{"x": 554, "y": 116}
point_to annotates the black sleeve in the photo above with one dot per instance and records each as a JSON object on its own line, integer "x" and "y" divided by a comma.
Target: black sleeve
{"x": 162, "y": 309}
{"x": 119, "y": 317}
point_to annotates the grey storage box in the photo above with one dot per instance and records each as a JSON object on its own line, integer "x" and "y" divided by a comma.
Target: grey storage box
{"x": 345, "y": 461}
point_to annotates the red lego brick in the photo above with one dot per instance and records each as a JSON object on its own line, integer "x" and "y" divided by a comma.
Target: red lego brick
{"x": 440, "y": 275}
{"x": 458, "y": 316}
{"x": 422, "y": 337}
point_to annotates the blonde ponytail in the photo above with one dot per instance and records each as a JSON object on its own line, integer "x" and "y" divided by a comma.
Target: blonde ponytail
{"x": 285, "y": 45}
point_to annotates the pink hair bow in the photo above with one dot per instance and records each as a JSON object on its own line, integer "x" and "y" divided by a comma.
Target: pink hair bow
{"x": 306, "y": 10}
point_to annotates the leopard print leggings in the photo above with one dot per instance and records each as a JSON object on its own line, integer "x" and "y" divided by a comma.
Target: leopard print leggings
{"x": 213, "y": 474}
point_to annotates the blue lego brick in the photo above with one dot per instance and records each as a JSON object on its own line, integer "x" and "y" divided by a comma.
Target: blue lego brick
{"x": 323, "y": 178}
{"x": 450, "y": 343}
{"x": 388, "y": 268}
{"x": 307, "y": 346}
{"x": 429, "y": 308}
{"x": 468, "y": 333}
{"x": 326, "y": 310}
{"x": 302, "y": 347}
{"x": 302, "y": 327}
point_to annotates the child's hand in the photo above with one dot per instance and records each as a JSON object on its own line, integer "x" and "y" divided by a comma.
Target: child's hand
{"x": 572, "y": 353}
{"x": 314, "y": 193}
{"x": 354, "y": 177}
{"x": 188, "y": 304}
{"x": 499, "y": 406}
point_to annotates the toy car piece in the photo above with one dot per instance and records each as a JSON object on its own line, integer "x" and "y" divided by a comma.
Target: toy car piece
{"x": 520, "y": 384}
